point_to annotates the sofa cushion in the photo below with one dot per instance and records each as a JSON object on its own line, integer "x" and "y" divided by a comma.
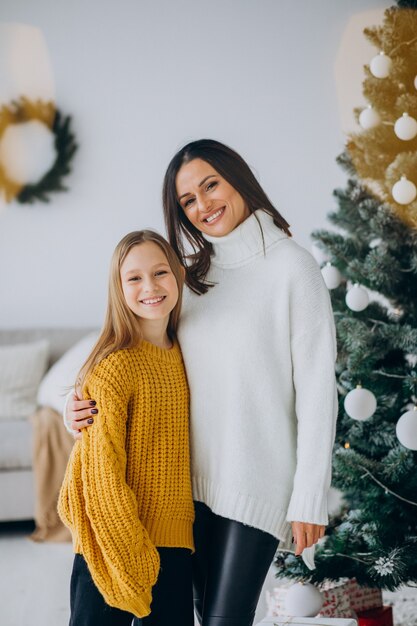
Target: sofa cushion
{"x": 21, "y": 369}
{"x": 15, "y": 444}
{"x": 61, "y": 377}
{"x": 60, "y": 339}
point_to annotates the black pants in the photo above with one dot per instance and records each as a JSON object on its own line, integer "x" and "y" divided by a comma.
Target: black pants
{"x": 230, "y": 565}
{"x": 172, "y": 603}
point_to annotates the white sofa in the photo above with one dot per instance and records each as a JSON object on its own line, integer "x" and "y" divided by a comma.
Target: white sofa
{"x": 16, "y": 474}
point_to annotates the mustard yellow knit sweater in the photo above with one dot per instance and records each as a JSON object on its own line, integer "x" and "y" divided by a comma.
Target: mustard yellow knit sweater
{"x": 127, "y": 486}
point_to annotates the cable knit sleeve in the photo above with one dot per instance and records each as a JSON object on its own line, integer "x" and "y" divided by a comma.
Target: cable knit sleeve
{"x": 99, "y": 506}
{"x": 313, "y": 352}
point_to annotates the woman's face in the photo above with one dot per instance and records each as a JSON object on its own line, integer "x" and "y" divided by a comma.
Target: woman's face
{"x": 210, "y": 203}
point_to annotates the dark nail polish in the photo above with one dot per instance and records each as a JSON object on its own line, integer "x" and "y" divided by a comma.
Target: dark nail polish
{"x": 90, "y": 420}
{"x": 92, "y": 403}
{"x": 94, "y": 411}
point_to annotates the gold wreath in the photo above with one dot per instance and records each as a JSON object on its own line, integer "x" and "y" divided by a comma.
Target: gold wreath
{"x": 19, "y": 112}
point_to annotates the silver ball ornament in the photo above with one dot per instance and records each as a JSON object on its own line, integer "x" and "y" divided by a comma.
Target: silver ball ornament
{"x": 360, "y": 404}
{"x": 405, "y": 127}
{"x": 357, "y": 298}
{"x": 331, "y": 275}
{"x": 404, "y": 191}
{"x": 406, "y": 429}
{"x": 380, "y": 65}
{"x": 369, "y": 118}
{"x": 303, "y": 600}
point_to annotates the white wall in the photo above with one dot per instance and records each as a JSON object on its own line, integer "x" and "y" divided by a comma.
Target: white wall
{"x": 141, "y": 78}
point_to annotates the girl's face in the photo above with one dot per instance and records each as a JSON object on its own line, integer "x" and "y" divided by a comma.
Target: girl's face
{"x": 210, "y": 203}
{"x": 149, "y": 285}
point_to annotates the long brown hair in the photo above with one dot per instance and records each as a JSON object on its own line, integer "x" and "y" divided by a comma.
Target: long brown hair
{"x": 121, "y": 329}
{"x": 237, "y": 172}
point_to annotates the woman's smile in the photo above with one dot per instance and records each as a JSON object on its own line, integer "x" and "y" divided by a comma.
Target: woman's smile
{"x": 214, "y": 216}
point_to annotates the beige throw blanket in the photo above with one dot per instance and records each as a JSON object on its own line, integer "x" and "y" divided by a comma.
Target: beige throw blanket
{"x": 52, "y": 445}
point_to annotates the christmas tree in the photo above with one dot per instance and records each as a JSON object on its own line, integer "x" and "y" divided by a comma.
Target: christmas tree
{"x": 372, "y": 276}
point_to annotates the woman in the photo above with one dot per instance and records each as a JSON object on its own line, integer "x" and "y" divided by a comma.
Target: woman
{"x": 258, "y": 341}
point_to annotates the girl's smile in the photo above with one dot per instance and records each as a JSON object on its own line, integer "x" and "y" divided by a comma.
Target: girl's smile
{"x": 153, "y": 301}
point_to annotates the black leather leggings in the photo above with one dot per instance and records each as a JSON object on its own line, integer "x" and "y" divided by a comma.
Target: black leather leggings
{"x": 230, "y": 564}
{"x": 172, "y": 603}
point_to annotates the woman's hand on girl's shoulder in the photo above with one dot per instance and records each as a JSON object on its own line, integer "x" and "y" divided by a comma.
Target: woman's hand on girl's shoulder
{"x": 80, "y": 414}
{"x": 306, "y": 535}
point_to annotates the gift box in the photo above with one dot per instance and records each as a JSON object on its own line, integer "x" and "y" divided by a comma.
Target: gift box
{"x": 376, "y": 617}
{"x": 336, "y": 599}
{"x": 307, "y": 621}
{"x": 363, "y": 598}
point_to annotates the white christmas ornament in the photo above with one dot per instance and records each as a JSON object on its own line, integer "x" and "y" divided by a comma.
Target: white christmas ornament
{"x": 406, "y": 429}
{"x": 27, "y": 151}
{"x": 331, "y": 275}
{"x": 357, "y": 298}
{"x": 360, "y": 404}
{"x": 404, "y": 191}
{"x": 410, "y": 358}
{"x": 405, "y": 127}
{"x": 303, "y": 600}
{"x": 415, "y": 82}
{"x": 380, "y": 65}
{"x": 369, "y": 118}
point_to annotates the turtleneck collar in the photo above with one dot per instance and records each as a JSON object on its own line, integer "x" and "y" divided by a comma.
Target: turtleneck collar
{"x": 245, "y": 242}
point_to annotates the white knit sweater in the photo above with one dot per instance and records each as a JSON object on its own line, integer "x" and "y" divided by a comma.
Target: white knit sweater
{"x": 259, "y": 350}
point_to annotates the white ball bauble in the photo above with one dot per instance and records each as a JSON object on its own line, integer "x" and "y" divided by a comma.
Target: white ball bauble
{"x": 415, "y": 82}
{"x": 405, "y": 127}
{"x": 357, "y": 298}
{"x": 380, "y": 65}
{"x": 360, "y": 404}
{"x": 404, "y": 191}
{"x": 303, "y": 600}
{"x": 369, "y": 118}
{"x": 406, "y": 429}
{"x": 27, "y": 151}
{"x": 331, "y": 275}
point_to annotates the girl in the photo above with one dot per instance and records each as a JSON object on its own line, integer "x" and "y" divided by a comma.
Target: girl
{"x": 126, "y": 495}
{"x": 257, "y": 334}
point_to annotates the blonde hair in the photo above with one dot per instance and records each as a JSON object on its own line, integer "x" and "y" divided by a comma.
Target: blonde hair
{"x": 121, "y": 329}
